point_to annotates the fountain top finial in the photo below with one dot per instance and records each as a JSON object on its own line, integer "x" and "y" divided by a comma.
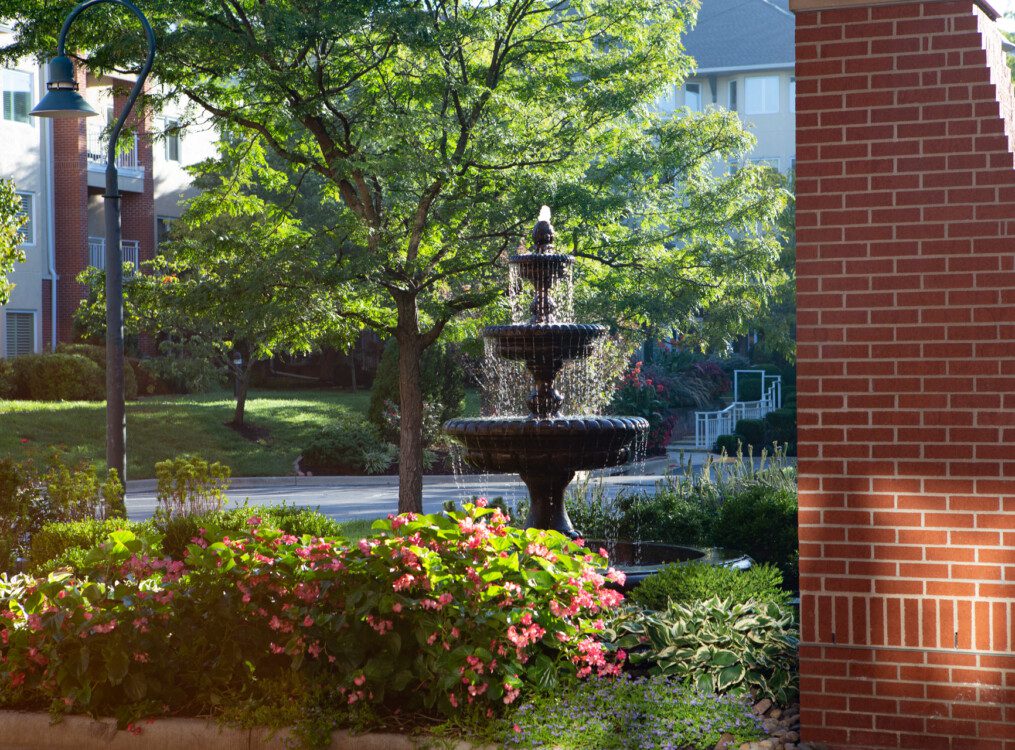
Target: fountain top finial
{"x": 542, "y": 234}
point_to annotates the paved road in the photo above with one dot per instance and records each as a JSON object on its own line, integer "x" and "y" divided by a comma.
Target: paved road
{"x": 345, "y": 498}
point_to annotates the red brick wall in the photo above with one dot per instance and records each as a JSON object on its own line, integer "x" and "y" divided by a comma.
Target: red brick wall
{"x": 70, "y": 217}
{"x": 906, "y": 282}
{"x": 137, "y": 210}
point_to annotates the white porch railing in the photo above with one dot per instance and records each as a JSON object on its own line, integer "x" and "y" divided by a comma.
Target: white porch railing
{"x": 129, "y": 161}
{"x": 131, "y": 250}
{"x": 709, "y": 425}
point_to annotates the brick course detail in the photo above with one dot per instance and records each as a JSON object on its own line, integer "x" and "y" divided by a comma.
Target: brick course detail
{"x": 906, "y": 356}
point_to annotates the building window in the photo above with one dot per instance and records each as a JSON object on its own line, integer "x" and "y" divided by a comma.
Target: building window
{"x": 765, "y": 161}
{"x": 20, "y": 333}
{"x": 28, "y": 211}
{"x": 172, "y": 131}
{"x": 733, "y": 96}
{"x": 163, "y": 226}
{"x": 17, "y": 88}
{"x": 692, "y": 96}
{"x": 761, "y": 95}
{"x": 792, "y": 94}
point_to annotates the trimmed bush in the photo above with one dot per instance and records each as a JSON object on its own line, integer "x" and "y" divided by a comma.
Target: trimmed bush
{"x": 692, "y": 582}
{"x": 351, "y": 445}
{"x": 8, "y": 385}
{"x": 754, "y": 434}
{"x": 52, "y": 542}
{"x": 761, "y": 521}
{"x": 663, "y": 517}
{"x": 58, "y": 377}
{"x": 98, "y": 355}
{"x": 730, "y": 444}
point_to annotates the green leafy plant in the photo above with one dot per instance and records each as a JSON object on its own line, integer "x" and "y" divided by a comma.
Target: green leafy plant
{"x": 692, "y": 582}
{"x": 187, "y": 485}
{"x": 32, "y": 496}
{"x": 12, "y": 217}
{"x": 653, "y": 713}
{"x": 445, "y": 615}
{"x": 716, "y": 645}
{"x": 350, "y": 445}
{"x": 761, "y": 521}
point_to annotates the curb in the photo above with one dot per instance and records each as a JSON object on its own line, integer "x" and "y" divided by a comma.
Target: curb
{"x": 36, "y": 731}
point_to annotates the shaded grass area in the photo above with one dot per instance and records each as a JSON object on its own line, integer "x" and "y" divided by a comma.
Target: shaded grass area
{"x": 165, "y": 426}
{"x": 162, "y": 427}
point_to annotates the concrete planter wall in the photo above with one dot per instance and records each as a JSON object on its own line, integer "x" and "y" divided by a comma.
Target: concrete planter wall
{"x": 20, "y": 730}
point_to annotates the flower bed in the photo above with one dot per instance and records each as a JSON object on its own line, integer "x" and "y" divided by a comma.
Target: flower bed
{"x": 435, "y": 615}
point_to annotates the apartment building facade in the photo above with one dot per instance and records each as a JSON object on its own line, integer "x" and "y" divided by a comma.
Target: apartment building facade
{"x": 745, "y": 57}
{"x": 58, "y": 167}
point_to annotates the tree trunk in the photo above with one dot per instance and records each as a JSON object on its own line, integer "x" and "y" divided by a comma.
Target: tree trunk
{"x": 242, "y": 375}
{"x": 410, "y": 397}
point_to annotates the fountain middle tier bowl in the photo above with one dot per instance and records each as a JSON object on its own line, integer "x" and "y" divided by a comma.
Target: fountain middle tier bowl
{"x": 535, "y": 342}
{"x": 556, "y": 445}
{"x": 542, "y": 268}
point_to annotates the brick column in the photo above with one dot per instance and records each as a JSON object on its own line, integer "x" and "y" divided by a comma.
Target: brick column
{"x": 70, "y": 199}
{"x": 906, "y": 298}
{"x": 137, "y": 210}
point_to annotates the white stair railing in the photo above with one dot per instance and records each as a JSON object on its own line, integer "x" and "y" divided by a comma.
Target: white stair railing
{"x": 709, "y": 425}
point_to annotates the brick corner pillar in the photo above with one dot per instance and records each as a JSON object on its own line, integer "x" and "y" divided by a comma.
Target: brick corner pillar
{"x": 70, "y": 198}
{"x": 906, "y": 355}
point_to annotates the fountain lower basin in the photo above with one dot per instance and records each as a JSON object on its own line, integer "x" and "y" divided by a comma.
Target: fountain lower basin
{"x": 639, "y": 560}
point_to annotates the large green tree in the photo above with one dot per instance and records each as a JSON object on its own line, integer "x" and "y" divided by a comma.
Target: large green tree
{"x": 12, "y": 218}
{"x": 438, "y": 127}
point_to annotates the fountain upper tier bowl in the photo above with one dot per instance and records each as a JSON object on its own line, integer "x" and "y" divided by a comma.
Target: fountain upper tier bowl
{"x": 535, "y": 342}
{"x": 555, "y": 445}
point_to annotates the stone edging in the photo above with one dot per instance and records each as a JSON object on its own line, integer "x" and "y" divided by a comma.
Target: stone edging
{"x": 22, "y": 730}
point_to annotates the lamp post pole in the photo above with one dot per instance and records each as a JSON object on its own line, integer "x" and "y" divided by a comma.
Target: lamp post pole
{"x": 63, "y": 101}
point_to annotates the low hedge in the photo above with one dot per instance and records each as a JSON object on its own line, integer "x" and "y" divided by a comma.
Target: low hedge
{"x": 348, "y": 446}
{"x": 57, "y": 377}
{"x": 692, "y": 582}
{"x": 98, "y": 355}
{"x": 761, "y": 521}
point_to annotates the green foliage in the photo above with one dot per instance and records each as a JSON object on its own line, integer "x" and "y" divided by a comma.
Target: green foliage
{"x": 12, "y": 218}
{"x": 442, "y": 380}
{"x": 717, "y": 646}
{"x": 468, "y": 616}
{"x": 692, "y": 582}
{"x": 424, "y": 174}
{"x": 729, "y": 445}
{"x": 8, "y": 384}
{"x": 665, "y": 516}
{"x": 58, "y": 377}
{"x": 187, "y": 364}
{"x": 753, "y": 434}
{"x": 54, "y": 540}
{"x": 762, "y": 522}
{"x": 33, "y": 496}
{"x": 654, "y": 713}
{"x": 348, "y": 446}
{"x": 189, "y": 485}
{"x": 781, "y": 427}
{"x": 97, "y": 354}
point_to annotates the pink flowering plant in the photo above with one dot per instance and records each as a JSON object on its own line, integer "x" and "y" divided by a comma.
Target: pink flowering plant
{"x": 438, "y": 615}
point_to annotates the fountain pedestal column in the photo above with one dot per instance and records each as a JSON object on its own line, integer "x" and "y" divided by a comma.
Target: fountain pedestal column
{"x": 546, "y": 491}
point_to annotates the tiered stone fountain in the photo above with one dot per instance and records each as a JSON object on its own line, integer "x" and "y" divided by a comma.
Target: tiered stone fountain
{"x": 546, "y": 448}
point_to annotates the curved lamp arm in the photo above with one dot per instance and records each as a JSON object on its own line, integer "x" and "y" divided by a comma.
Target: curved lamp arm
{"x": 114, "y": 135}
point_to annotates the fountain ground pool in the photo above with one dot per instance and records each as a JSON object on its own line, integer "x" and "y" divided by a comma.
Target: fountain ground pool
{"x": 547, "y": 447}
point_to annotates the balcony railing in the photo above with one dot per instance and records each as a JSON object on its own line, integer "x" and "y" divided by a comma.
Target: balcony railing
{"x": 128, "y": 161}
{"x": 131, "y": 250}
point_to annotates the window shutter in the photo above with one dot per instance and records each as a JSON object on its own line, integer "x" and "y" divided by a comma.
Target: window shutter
{"x": 20, "y": 334}
{"x": 8, "y": 105}
{"x": 21, "y": 102}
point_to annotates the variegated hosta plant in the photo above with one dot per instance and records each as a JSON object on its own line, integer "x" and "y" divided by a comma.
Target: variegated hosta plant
{"x": 716, "y": 645}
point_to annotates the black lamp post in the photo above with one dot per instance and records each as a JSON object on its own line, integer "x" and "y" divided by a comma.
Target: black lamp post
{"x": 63, "y": 100}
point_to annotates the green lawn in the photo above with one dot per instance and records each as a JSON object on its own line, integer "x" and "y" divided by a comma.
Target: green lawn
{"x": 163, "y": 427}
